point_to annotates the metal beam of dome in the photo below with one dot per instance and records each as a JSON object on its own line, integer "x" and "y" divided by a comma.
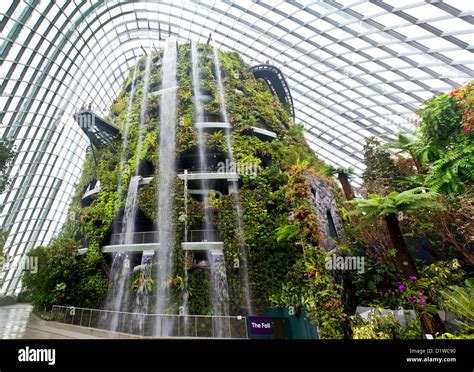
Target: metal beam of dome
{"x": 355, "y": 70}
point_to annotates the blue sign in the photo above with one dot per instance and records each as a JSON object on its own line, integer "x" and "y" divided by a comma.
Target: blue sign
{"x": 260, "y": 325}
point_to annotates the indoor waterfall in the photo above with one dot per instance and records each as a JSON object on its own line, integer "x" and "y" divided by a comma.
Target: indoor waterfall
{"x": 166, "y": 231}
{"x": 218, "y": 279}
{"x": 244, "y": 275}
{"x": 118, "y": 296}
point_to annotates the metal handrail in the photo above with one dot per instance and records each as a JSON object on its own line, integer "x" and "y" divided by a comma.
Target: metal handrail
{"x": 145, "y": 237}
{"x": 190, "y": 326}
{"x": 141, "y": 237}
{"x": 212, "y": 119}
{"x": 203, "y": 236}
{"x": 280, "y": 80}
{"x": 209, "y": 169}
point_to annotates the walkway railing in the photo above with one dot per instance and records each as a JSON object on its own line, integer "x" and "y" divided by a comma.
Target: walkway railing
{"x": 203, "y": 236}
{"x": 210, "y": 169}
{"x": 188, "y": 326}
{"x": 137, "y": 238}
{"x": 152, "y": 237}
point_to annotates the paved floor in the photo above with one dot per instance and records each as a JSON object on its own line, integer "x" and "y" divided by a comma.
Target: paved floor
{"x": 13, "y": 320}
{"x": 18, "y": 321}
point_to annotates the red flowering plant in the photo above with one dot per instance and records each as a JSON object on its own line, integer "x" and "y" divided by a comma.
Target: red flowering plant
{"x": 465, "y": 99}
{"x": 307, "y": 286}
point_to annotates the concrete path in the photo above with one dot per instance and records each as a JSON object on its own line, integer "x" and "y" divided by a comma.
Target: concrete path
{"x": 18, "y": 322}
{"x": 13, "y": 320}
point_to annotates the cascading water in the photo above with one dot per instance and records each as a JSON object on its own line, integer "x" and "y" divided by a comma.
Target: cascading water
{"x": 142, "y": 295}
{"x": 185, "y": 307}
{"x": 140, "y": 306}
{"x": 219, "y": 294}
{"x": 244, "y": 276}
{"x": 126, "y": 130}
{"x": 200, "y": 137}
{"x": 118, "y": 296}
{"x": 165, "y": 259}
{"x": 218, "y": 277}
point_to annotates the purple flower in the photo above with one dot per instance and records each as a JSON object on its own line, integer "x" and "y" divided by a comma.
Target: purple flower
{"x": 422, "y": 302}
{"x": 420, "y": 293}
{"x": 401, "y": 288}
{"x": 411, "y": 299}
{"x": 412, "y": 279}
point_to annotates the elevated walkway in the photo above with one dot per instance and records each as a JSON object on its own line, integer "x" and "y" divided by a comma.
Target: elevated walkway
{"x": 197, "y": 240}
{"x": 229, "y": 176}
{"x": 91, "y": 193}
{"x": 277, "y": 83}
{"x": 100, "y": 132}
{"x": 264, "y": 134}
{"x": 214, "y": 126}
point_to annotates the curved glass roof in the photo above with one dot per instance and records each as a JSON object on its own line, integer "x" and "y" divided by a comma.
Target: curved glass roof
{"x": 355, "y": 69}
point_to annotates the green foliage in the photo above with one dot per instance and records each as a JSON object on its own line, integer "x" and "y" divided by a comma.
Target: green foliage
{"x": 7, "y": 154}
{"x": 62, "y": 278}
{"x": 466, "y": 332}
{"x": 442, "y": 144}
{"x": 406, "y": 201}
{"x": 440, "y": 121}
{"x": 465, "y": 100}
{"x": 384, "y": 327}
{"x": 381, "y": 175}
{"x": 37, "y": 286}
{"x": 147, "y": 200}
{"x": 287, "y": 233}
{"x": 452, "y": 171}
{"x": 443, "y": 274}
{"x": 334, "y": 171}
{"x": 308, "y": 286}
{"x": 460, "y": 300}
{"x": 376, "y": 286}
{"x": 278, "y": 188}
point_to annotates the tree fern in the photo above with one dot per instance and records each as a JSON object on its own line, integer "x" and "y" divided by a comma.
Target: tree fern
{"x": 395, "y": 202}
{"x": 334, "y": 171}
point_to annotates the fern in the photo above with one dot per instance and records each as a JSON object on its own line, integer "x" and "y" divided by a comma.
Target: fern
{"x": 287, "y": 233}
{"x": 451, "y": 173}
{"x": 334, "y": 171}
{"x": 395, "y": 202}
{"x": 460, "y": 300}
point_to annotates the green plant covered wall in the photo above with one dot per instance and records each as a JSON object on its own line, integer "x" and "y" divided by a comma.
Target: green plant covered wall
{"x": 281, "y": 229}
{"x": 276, "y": 198}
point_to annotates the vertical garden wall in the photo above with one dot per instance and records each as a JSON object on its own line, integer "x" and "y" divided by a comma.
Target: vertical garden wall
{"x": 277, "y": 197}
{"x": 294, "y": 214}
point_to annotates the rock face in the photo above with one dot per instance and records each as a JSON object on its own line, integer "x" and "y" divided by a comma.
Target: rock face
{"x": 322, "y": 198}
